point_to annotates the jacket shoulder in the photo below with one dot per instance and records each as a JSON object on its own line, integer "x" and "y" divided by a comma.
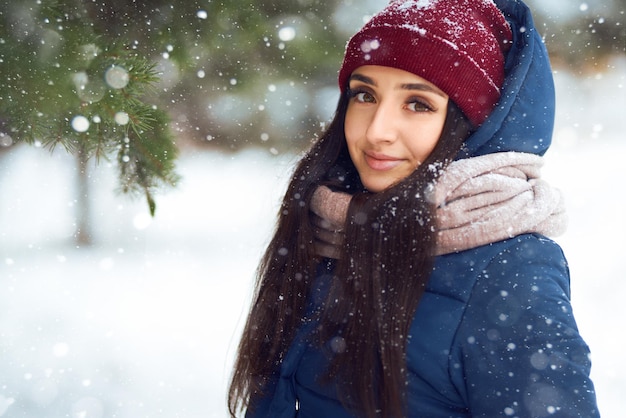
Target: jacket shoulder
{"x": 518, "y": 332}
{"x": 456, "y": 274}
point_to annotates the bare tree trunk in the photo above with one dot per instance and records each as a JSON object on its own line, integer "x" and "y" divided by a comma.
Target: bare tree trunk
{"x": 83, "y": 233}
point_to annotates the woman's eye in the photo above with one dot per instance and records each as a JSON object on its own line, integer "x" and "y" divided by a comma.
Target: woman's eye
{"x": 363, "y": 96}
{"x": 418, "y": 106}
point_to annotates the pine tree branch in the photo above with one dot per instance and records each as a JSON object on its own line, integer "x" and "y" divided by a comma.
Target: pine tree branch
{"x": 61, "y": 84}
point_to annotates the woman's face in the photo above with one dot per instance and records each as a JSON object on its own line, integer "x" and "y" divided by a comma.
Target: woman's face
{"x": 393, "y": 122}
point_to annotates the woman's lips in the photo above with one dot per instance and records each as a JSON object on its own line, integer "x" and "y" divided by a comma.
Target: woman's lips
{"x": 381, "y": 162}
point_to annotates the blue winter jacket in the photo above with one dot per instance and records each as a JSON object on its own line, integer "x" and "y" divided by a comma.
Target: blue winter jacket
{"x": 494, "y": 334}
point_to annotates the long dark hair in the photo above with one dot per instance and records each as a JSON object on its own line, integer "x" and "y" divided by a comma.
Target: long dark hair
{"x": 380, "y": 277}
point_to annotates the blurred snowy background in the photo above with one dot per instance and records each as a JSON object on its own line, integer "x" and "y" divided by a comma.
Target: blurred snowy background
{"x": 144, "y": 322}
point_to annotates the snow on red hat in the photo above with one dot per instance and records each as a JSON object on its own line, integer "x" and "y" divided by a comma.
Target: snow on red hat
{"x": 457, "y": 45}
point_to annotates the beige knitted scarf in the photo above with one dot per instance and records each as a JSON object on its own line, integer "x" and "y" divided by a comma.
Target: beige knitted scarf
{"x": 478, "y": 200}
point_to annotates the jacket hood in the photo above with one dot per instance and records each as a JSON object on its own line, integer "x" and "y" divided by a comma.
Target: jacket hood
{"x": 523, "y": 119}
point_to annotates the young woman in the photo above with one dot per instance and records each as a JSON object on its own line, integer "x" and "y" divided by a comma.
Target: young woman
{"x": 410, "y": 274}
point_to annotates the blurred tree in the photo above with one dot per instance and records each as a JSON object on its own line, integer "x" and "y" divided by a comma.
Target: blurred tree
{"x": 235, "y": 73}
{"x": 582, "y": 36}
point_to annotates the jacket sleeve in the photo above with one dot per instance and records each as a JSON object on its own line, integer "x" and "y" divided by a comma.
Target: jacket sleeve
{"x": 518, "y": 344}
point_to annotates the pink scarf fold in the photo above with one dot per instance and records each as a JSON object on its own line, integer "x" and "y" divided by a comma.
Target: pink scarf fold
{"x": 479, "y": 200}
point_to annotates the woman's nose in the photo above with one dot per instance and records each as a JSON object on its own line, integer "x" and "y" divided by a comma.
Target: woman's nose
{"x": 382, "y": 125}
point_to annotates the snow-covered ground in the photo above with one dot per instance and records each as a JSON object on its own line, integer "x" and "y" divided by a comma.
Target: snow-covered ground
{"x": 144, "y": 323}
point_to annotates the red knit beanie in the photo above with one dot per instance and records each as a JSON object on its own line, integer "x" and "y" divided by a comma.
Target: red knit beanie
{"x": 458, "y": 46}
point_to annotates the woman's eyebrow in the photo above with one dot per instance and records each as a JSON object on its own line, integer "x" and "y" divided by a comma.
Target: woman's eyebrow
{"x": 423, "y": 87}
{"x": 364, "y": 79}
